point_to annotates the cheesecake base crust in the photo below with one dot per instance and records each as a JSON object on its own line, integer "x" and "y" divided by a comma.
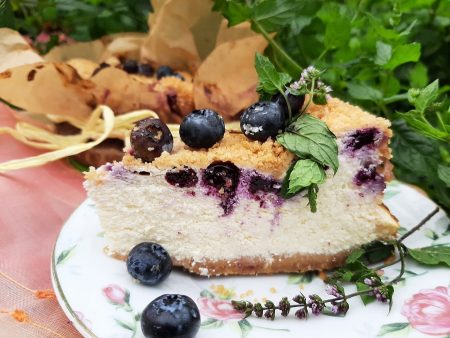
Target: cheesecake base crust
{"x": 257, "y": 266}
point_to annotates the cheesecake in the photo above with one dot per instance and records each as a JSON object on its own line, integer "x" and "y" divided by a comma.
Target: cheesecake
{"x": 220, "y": 211}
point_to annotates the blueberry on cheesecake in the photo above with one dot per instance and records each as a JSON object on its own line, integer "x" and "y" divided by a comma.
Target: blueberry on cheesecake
{"x": 239, "y": 203}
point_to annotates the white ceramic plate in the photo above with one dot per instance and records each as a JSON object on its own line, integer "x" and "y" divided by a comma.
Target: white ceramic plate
{"x": 100, "y": 298}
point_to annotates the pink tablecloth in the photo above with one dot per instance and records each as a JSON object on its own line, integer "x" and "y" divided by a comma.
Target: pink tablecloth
{"x": 34, "y": 203}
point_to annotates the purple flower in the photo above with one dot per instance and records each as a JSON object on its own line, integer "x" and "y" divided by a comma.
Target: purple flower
{"x": 316, "y": 304}
{"x": 301, "y": 313}
{"x": 332, "y": 290}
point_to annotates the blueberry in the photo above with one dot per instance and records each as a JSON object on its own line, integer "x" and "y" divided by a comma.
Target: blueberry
{"x": 223, "y": 177}
{"x": 182, "y": 178}
{"x": 171, "y": 316}
{"x": 164, "y": 71}
{"x": 149, "y": 263}
{"x": 149, "y": 138}
{"x": 295, "y": 101}
{"x": 262, "y": 120}
{"x": 202, "y": 128}
{"x": 145, "y": 69}
{"x": 130, "y": 66}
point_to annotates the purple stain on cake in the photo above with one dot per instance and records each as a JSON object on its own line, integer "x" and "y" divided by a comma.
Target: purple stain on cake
{"x": 182, "y": 178}
{"x": 362, "y": 139}
{"x": 116, "y": 171}
{"x": 222, "y": 179}
{"x": 368, "y": 178}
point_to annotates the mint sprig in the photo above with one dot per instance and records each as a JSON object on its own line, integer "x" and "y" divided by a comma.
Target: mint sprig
{"x": 309, "y": 137}
{"x": 305, "y": 136}
{"x": 358, "y": 270}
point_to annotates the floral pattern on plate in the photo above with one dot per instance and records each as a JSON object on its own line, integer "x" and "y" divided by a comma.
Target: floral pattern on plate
{"x": 110, "y": 303}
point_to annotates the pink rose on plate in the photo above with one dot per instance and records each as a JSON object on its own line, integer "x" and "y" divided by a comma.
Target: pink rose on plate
{"x": 218, "y": 309}
{"x": 429, "y": 311}
{"x": 116, "y": 294}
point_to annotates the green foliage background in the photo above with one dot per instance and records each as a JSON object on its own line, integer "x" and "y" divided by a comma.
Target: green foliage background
{"x": 373, "y": 51}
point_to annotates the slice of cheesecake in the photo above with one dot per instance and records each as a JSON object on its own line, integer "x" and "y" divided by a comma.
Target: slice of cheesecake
{"x": 219, "y": 211}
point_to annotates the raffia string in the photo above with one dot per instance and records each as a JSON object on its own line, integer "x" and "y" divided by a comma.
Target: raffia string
{"x": 101, "y": 125}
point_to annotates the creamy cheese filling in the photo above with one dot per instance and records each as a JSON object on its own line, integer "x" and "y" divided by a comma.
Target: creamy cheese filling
{"x": 191, "y": 224}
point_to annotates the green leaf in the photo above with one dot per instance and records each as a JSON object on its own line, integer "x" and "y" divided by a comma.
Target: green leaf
{"x": 270, "y": 81}
{"x": 77, "y": 165}
{"x": 416, "y": 160}
{"x": 431, "y": 255}
{"x": 417, "y": 121}
{"x": 207, "y": 294}
{"x": 427, "y": 96}
{"x": 403, "y": 54}
{"x": 365, "y": 298}
{"x": 444, "y": 174}
{"x": 418, "y": 76}
{"x": 337, "y": 33}
{"x": 384, "y": 53}
{"x": 245, "y": 327}
{"x": 355, "y": 255}
{"x": 313, "y": 189}
{"x": 431, "y": 234}
{"x": 309, "y": 137}
{"x": 65, "y": 255}
{"x": 211, "y": 323}
{"x": 125, "y": 325}
{"x": 305, "y": 173}
{"x": 233, "y": 11}
{"x": 377, "y": 251}
{"x": 364, "y": 92}
{"x": 392, "y": 327}
{"x": 302, "y": 278}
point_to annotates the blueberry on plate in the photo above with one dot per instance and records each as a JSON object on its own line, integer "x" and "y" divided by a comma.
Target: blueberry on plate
{"x": 150, "y": 138}
{"x": 164, "y": 71}
{"x": 145, "y": 69}
{"x": 130, "y": 66}
{"x": 262, "y": 120}
{"x": 295, "y": 101}
{"x": 171, "y": 316}
{"x": 202, "y": 128}
{"x": 149, "y": 263}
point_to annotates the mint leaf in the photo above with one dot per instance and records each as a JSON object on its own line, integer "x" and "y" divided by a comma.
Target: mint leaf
{"x": 337, "y": 32}
{"x": 270, "y": 80}
{"x": 355, "y": 255}
{"x": 431, "y": 255}
{"x": 418, "y": 76}
{"x": 384, "y": 53}
{"x": 233, "y": 11}
{"x": 313, "y": 189}
{"x": 366, "y": 299}
{"x": 364, "y": 92}
{"x": 426, "y": 96}
{"x": 444, "y": 174}
{"x": 417, "y": 121}
{"x": 392, "y": 327}
{"x": 403, "y": 54}
{"x": 305, "y": 173}
{"x": 309, "y": 137}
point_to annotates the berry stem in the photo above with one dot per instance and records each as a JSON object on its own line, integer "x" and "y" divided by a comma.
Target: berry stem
{"x": 418, "y": 226}
{"x": 249, "y": 308}
{"x": 277, "y": 47}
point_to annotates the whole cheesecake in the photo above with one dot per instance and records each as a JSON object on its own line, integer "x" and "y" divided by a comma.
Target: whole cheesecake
{"x": 219, "y": 211}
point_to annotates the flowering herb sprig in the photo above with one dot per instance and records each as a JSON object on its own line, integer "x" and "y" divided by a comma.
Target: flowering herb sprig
{"x": 304, "y": 135}
{"x": 310, "y": 84}
{"x": 369, "y": 285}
